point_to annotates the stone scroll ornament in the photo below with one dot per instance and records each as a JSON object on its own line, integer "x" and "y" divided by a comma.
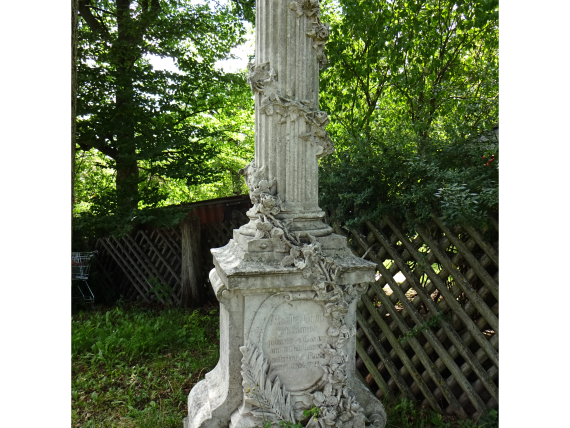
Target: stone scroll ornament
{"x": 338, "y": 406}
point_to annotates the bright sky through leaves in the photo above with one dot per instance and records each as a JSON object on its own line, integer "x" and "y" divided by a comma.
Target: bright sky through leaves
{"x": 232, "y": 65}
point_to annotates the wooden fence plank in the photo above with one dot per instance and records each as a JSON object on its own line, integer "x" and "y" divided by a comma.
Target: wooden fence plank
{"x": 402, "y": 355}
{"x": 174, "y": 251}
{"x": 473, "y": 262}
{"x": 471, "y": 361}
{"x": 463, "y": 283}
{"x": 390, "y": 366}
{"x": 372, "y": 369}
{"x": 456, "y": 307}
{"x": 149, "y": 266}
{"x": 126, "y": 269}
{"x": 428, "y": 334}
{"x": 160, "y": 256}
{"x": 177, "y": 234}
{"x": 426, "y": 362}
{"x": 485, "y": 246}
{"x": 466, "y": 368}
{"x": 142, "y": 278}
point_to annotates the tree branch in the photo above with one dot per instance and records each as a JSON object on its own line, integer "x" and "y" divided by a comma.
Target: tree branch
{"x": 87, "y": 145}
{"x": 89, "y": 18}
{"x": 101, "y": 10}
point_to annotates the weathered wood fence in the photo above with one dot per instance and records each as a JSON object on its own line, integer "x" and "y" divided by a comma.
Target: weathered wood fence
{"x": 427, "y": 327}
{"x": 148, "y": 263}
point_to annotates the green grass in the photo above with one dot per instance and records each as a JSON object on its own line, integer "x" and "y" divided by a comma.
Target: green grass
{"x": 134, "y": 367}
{"x": 403, "y": 413}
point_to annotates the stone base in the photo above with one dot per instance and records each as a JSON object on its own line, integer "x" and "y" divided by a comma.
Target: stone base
{"x": 274, "y": 309}
{"x": 299, "y": 218}
{"x": 373, "y": 410}
{"x": 247, "y": 263}
{"x": 281, "y": 342}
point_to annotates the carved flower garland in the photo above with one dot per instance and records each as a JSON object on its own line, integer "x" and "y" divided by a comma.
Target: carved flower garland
{"x": 262, "y": 78}
{"x": 338, "y": 406}
{"x": 320, "y": 32}
{"x": 307, "y": 7}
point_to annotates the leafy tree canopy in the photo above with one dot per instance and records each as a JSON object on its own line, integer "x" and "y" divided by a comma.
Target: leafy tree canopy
{"x": 144, "y": 134}
{"x": 411, "y": 88}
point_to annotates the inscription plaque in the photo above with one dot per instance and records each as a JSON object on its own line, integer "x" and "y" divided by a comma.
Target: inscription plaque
{"x": 293, "y": 343}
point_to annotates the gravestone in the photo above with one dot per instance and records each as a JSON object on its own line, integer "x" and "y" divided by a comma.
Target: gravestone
{"x": 287, "y": 285}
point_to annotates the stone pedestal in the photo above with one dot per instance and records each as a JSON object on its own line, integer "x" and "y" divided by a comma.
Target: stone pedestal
{"x": 284, "y": 347}
{"x": 287, "y": 285}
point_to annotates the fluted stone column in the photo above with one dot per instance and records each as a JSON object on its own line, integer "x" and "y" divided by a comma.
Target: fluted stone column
{"x": 287, "y": 285}
{"x": 289, "y": 128}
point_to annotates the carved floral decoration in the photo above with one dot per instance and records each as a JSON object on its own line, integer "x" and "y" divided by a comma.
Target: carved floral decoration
{"x": 338, "y": 406}
{"x": 260, "y": 390}
{"x": 316, "y": 120}
{"x": 308, "y": 7}
{"x": 261, "y": 77}
{"x": 320, "y": 31}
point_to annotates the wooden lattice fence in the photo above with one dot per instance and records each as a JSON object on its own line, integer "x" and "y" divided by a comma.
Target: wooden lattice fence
{"x": 433, "y": 336}
{"x": 217, "y": 235}
{"x": 148, "y": 263}
{"x": 427, "y": 327}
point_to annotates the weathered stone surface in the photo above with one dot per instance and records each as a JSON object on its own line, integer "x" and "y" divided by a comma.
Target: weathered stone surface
{"x": 264, "y": 270}
{"x": 292, "y": 335}
{"x": 212, "y": 401}
{"x": 287, "y": 285}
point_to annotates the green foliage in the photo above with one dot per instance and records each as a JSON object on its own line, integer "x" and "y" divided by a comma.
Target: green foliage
{"x": 245, "y": 9}
{"x": 153, "y": 416}
{"x": 149, "y": 138}
{"x": 159, "y": 291}
{"x": 134, "y": 367}
{"x": 122, "y": 336}
{"x": 433, "y": 322}
{"x": 287, "y": 424}
{"x": 412, "y": 91}
{"x": 490, "y": 420}
{"x": 405, "y": 413}
{"x": 365, "y": 182}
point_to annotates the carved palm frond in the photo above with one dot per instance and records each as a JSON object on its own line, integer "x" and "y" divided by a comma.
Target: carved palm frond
{"x": 272, "y": 398}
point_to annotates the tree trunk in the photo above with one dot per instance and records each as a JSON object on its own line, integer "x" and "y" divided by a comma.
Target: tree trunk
{"x": 127, "y": 166}
{"x": 127, "y": 185}
{"x": 74, "y": 24}
{"x": 192, "y": 292}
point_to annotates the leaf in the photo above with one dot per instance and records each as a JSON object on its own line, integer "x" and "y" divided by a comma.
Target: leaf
{"x": 270, "y": 395}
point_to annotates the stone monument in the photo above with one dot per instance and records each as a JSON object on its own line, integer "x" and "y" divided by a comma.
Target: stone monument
{"x": 287, "y": 285}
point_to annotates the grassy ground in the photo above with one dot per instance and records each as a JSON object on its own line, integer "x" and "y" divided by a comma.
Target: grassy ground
{"x": 402, "y": 413}
{"x": 134, "y": 365}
